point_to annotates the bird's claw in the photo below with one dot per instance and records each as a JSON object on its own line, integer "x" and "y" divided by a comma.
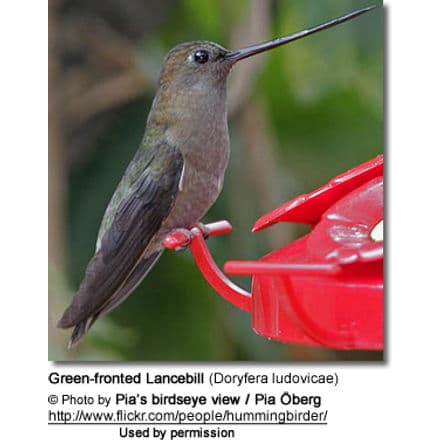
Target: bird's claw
{"x": 178, "y": 239}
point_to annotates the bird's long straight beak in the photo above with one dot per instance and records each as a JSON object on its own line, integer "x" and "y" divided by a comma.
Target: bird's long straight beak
{"x": 249, "y": 51}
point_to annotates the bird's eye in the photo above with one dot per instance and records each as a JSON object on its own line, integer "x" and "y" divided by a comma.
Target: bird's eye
{"x": 201, "y": 56}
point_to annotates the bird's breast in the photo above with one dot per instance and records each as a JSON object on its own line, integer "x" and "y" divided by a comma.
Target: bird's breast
{"x": 205, "y": 161}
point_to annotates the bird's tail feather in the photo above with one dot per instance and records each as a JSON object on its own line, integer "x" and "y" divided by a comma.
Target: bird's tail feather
{"x": 138, "y": 274}
{"x": 80, "y": 330}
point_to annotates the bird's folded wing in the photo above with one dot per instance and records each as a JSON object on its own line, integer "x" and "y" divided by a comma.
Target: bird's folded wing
{"x": 137, "y": 219}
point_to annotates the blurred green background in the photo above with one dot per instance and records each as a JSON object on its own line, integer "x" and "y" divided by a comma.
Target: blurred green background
{"x": 297, "y": 116}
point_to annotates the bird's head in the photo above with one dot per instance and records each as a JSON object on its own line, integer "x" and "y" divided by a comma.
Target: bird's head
{"x": 196, "y": 64}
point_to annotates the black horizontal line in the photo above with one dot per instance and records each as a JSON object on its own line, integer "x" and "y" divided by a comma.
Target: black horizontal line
{"x": 194, "y": 424}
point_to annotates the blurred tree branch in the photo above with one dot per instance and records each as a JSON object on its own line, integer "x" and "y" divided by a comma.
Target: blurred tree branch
{"x": 120, "y": 79}
{"x": 251, "y": 116}
{"x": 255, "y": 28}
{"x": 56, "y": 156}
{"x": 57, "y": 185}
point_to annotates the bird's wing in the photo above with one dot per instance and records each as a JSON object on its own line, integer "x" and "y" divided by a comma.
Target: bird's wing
{"x": 142, "y": 160}
{"x": 137, "y": 219}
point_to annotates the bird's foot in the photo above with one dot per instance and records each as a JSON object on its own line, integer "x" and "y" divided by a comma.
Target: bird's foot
{"x": 178, "y": 239}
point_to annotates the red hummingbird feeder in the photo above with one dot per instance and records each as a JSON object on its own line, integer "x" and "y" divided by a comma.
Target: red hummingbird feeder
{"x": 325, "y": 288}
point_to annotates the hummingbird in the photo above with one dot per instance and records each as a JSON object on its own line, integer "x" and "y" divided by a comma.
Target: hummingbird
{"x": 175, "y": 176}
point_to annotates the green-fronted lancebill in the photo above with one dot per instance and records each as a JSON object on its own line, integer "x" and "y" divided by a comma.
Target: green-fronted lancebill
{"x": 174, "y": 178}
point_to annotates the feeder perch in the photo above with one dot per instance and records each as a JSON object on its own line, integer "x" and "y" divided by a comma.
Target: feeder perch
{"x": 325, "y": 288}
